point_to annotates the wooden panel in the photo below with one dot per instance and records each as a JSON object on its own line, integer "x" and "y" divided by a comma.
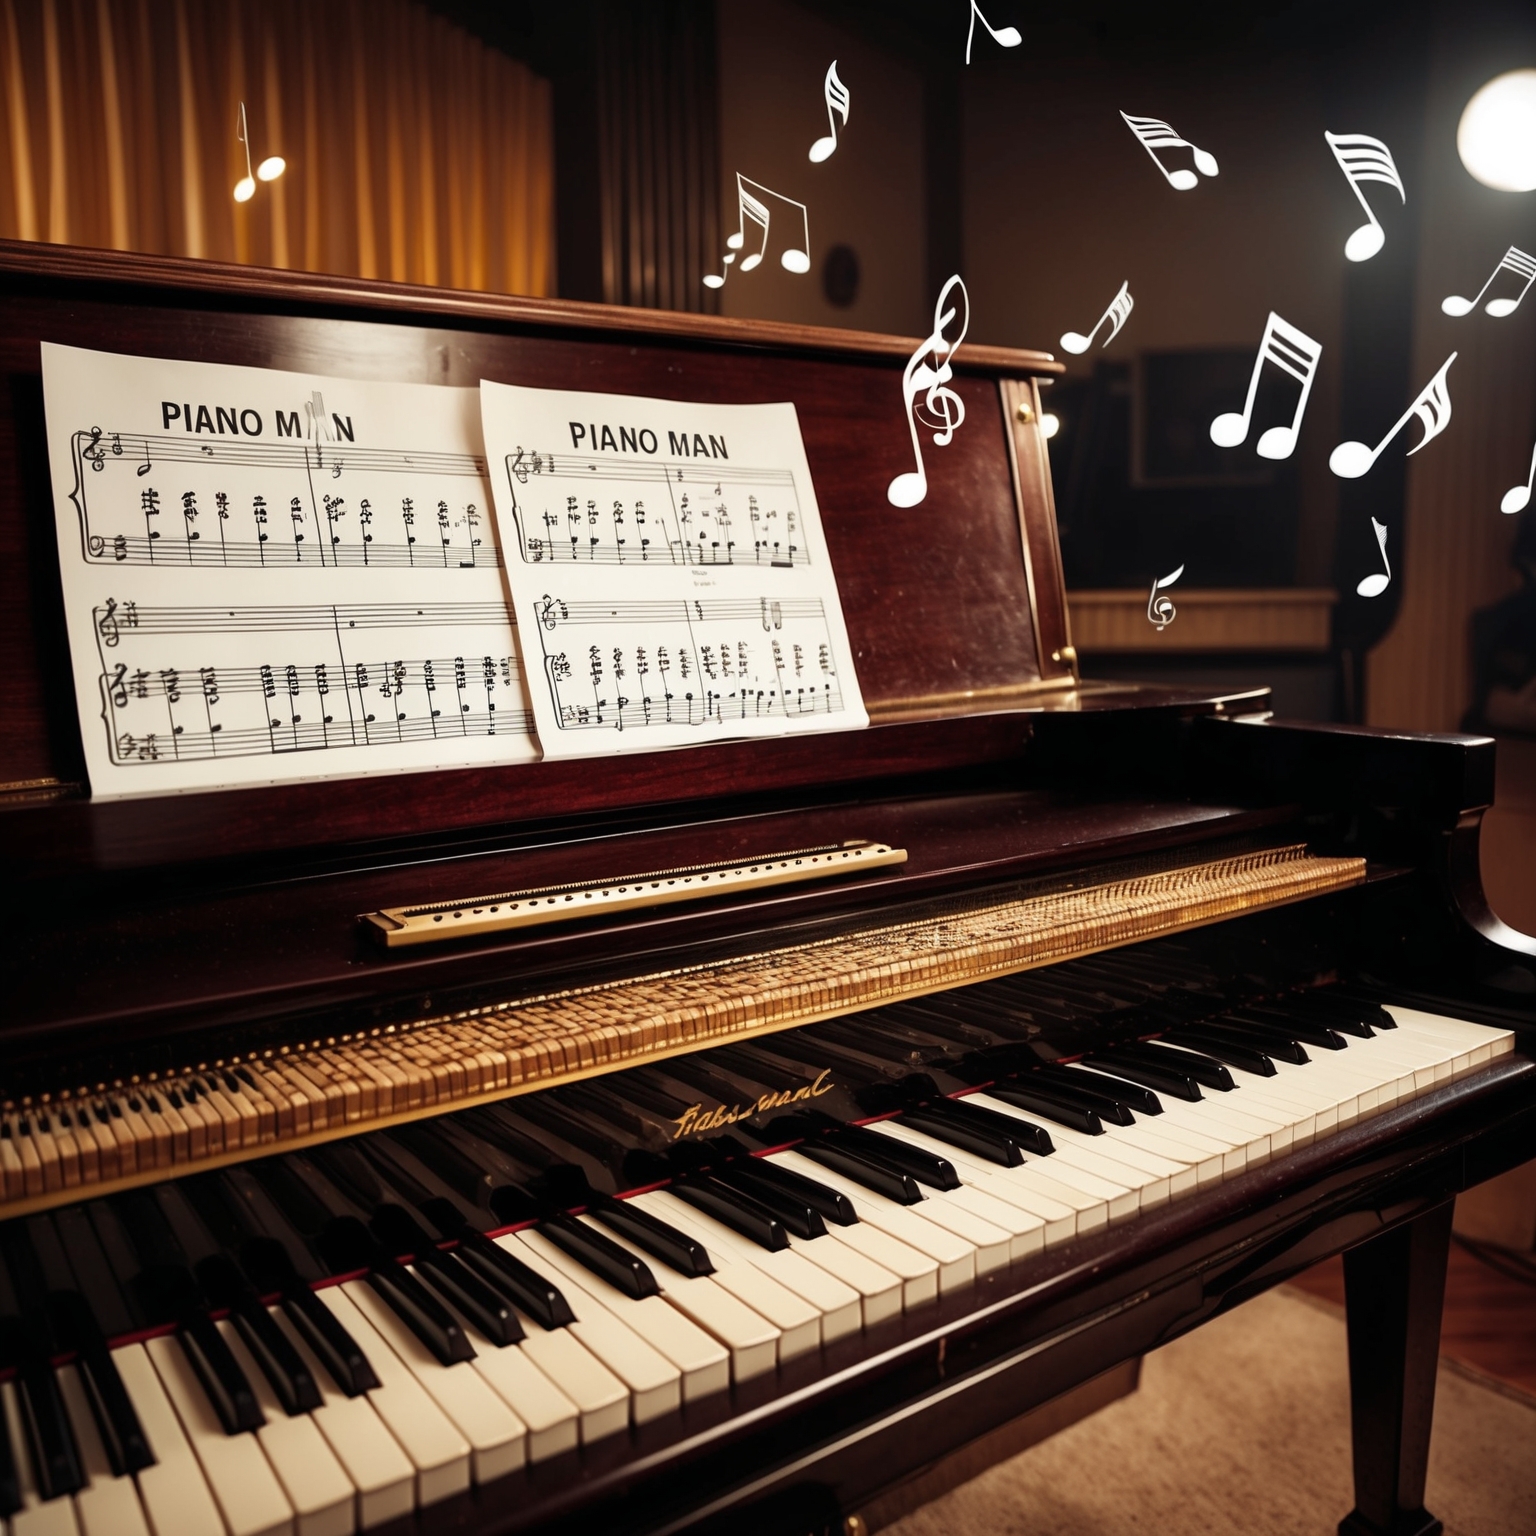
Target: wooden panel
{"x": 936, "y": 597}
{"x": 1277, "y": 619}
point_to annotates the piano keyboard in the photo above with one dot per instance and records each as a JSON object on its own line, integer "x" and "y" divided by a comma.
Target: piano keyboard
{"x": 97, "y": 1137}
{"x": 244, "y": 1351}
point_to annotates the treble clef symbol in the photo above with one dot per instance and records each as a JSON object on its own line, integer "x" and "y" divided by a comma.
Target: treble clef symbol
{"x": 519, "y": 469}
{"x": 929, "y": 372}
{"x": 93, "y": 453}
{"x": 1160, "y": 610}
{"x": 106, "y": 625}
{"x": 547, "y": 615}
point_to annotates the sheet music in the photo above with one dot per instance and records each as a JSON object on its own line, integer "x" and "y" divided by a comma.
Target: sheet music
{"x": 668, "y": 571}
{"x": 270, "y": 577}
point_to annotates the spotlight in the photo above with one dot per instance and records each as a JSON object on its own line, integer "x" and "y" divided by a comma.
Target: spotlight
{"x": 1050, "y": 423}
{"x": 271, "y": 168}
{"x": 245, "y": 189}
{"x": 1496, "y": 138}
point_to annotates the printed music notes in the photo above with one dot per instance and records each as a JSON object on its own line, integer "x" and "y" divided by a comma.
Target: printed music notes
{"x": 250, "y": 594}
{"x": 1378, "y": 581}
{"x": 1004, "y": 37}
{"x": 1433, "y": 408}
{"x": 1293, "y": 352}
{"x": 668, "y": 571}
{"x": 928, "y": 373}
{"x": 1160, "y": 610}
{"x": 837, "y": 97}
{"x": 754, "y": 209}
{"x": 1513, "y": 260}
{"x": 1518, "y": 497}
{"x": 1154, "y": 134}
{"x": 1119, "y": 308}
{"x": 1363, "y": 158}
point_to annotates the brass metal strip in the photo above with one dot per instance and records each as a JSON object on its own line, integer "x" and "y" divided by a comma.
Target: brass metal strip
{"x": 398, "y": 926}
{"x": 583, "y": 1032}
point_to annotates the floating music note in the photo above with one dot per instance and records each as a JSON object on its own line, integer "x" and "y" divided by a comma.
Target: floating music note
{"x": 1378, "y": 581}
{"x": 1518, "y": 497}
{"x": 928, "y": 372}
{"x": 1513, "y": 260}
{"x": 1363, "y": 158}
{"x": 1119, "y": 308}
{"x": 1433, "y": 408}
{"x": 1160, "y": 610}
{"x": 1004, "y": 37}
{"x": 753, "y": 209}
{"x": 1295, "y": 353}
{"x": 837, "y": 101}
{"x": 1154, "y": 134}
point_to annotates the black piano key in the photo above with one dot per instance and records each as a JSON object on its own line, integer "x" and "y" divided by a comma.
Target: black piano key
{"x": 1319, "y": 1035}
{"x": 271, "y": 1270}
{"x": 538, "y": 1297}
{"x": 121, "y": 1262}
{"x": 1081, "y": 1089}
{"x": 685, "y": 1254}
{"x": 1273, "y": 1042}
{"x": 625, "y": 1271}
{"x": 1289, "y": 1010}
{"x": 1129, "y": 1093}
{"x": 260, "y": 1212}
{"x": 898, "y": 1156}
{"x": 1363, "y": 1007}
{"x": 1132, "y": 1068}
{"x": 93, "y": 1277}
{"x": 852, "y": 1163}
{"x": 226, "y": 1286}
{"x": 1012, "y": 1138}
{"x": 740, "y": 1212}
{"x": 26, "y": 1318}
{"x": 1206, "y": 1071}
{"x": 1245, "y": 1058}
{"x": 307, "y": 1197}
{"x": 1353, "y": 1015}
{"x": 219, "y": 1372}
{"x": 798, "y": 1215}
{"x": 485, "y": 1306}
{"x": 833, "y": 1204}
{"x": 470, "y": 1179}
{"x": 1063, "y": 1110}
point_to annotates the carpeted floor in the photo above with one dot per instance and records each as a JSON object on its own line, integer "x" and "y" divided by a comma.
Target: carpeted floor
{"x": 1243, "y": 1426}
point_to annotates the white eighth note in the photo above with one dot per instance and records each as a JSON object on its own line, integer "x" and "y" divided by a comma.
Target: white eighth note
{"x": 1154, "y": 134}
{"x": 753, "y": 209}
{"x": 1363, "y": 158}
{"x": 1518, "y": 497}
{"x": 1378, "y": 581}
{"x": 1513, "y": 260}
{"x": 1433, "y": 408}
{"x": 1119, "y": 309}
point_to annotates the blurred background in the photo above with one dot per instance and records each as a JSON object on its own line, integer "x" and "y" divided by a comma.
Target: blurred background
{"x": 590, "y": 150}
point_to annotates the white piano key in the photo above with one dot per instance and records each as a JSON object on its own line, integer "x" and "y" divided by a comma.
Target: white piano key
{"x": 955, "y": 1256}
{"x": 497, "y": 1437}
{"x": 750, "y": 1339}
{"x": 704, "y": 1362}
{"x": 840, "y": 1288}
{"x": 37, "y": 1516}
{"x": 380, "y": 1472}
{"x": 655, "y": 1384}
{"x": 108, "y": 1505}
{"x": 1026, "y": 1232}
{"x": 436, "y": 1448}
{"x": 600, "y": 1398}
{"x": 1119, "y": 1192}
{"x": 323, "y": 1497}
{"x": 176, "y": 1497}
{"x": 249, "y": 1496}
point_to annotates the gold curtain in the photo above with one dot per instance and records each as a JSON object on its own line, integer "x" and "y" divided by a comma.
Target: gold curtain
{"x": 414, "y": 152}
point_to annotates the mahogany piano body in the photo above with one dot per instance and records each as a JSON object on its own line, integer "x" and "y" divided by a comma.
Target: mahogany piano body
{"x": 147, "y": 935}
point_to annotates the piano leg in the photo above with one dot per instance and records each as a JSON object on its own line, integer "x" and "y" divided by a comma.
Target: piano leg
{"x": 1394, "y": 1286}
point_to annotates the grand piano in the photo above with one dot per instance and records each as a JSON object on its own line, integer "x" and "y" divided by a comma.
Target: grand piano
{"x": 734, "y": 1211}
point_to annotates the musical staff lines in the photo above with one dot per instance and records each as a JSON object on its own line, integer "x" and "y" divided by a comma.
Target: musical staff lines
{"x": 651, "y": 512}
{"x": 178, "y": 501}
{"x": 697, "y": 662}
{"x": 174, "y": 689}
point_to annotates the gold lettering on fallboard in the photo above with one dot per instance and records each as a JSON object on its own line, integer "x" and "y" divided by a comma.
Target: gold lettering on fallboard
{"x": 696, "y": 1120}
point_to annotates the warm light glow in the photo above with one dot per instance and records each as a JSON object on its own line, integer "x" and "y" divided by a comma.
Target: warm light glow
{"x": 245, "y": 189}
{"x": 1050, "y": 423}
{"x": 1497, "y": 135}
{"x": 271, "y": 168}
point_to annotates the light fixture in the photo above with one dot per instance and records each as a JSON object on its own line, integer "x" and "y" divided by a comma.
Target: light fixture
{"x": 269, "y": 169}
{"x": 1050, "y": 423}
{"x": 1496, "y": 137}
